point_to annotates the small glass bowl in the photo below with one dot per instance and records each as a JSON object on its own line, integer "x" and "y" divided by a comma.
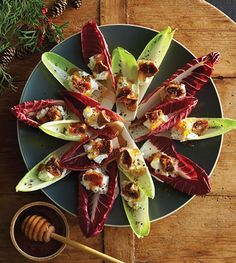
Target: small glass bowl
{"x": 39, "y": 251}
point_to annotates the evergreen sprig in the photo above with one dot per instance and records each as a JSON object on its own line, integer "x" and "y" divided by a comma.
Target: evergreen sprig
{"x": 6, "y": 81}
{"x": 24, "y": 23}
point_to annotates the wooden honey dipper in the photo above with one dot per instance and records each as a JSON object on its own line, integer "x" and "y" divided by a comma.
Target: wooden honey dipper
{"x": 38, "y": 228}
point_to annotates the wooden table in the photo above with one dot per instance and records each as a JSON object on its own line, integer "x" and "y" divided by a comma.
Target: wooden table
{"x": 204, "y": 230}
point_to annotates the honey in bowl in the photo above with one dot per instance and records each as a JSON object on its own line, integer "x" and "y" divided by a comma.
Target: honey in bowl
{"x": 36, "y": 250}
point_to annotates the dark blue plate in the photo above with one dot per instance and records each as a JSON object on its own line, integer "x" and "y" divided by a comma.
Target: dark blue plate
{"x": 41, "y": 84}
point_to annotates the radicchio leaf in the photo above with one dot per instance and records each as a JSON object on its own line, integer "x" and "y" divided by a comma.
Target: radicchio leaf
{"x": 76, "y": 102}
{"x": 93, "y": 43}
{"x": 82, "y": 101}
{"x": 93, "y": 208}
{"x": 27, "y": 111}
{"x": 198, "y": 182}
{"x": 197, "y": 73}
{"x": 194, "y": 75}
{"x": 175, "y": 109}
{"x": 76, "y": 159}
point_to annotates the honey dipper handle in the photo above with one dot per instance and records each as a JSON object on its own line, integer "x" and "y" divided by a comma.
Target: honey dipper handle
{"x": 84, "y": 248}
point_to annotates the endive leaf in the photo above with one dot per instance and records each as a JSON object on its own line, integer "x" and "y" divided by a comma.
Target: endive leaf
{"x": 62, "y": 70}
{"x": 138, "y": 218}
{"x": 216, "y": 127}
{"x": 193, "y": 75}
{"x": 124, "y": 66}
{"x": 138, "y": 172}
{"x": 31, "y": 181}
{"x": 58, "y": 130}
{"x": 155, "y": 51}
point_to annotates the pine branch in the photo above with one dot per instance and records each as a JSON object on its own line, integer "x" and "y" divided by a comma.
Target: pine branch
{"x": 24, "y": 27}
{"x": 6, "y": 81}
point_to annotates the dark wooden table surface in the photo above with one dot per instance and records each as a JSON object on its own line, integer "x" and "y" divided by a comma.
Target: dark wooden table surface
{"x": 202, "y": 231}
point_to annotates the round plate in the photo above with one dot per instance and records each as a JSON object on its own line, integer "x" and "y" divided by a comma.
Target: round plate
{"x": 41, "y": 84}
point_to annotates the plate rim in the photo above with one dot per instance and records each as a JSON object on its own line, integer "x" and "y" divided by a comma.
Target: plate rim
{"x": 125, "y": 25}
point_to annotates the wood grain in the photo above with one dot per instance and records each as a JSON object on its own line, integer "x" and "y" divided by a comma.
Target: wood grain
{"x": 221, "y": 184}
{"x": 113, "y": 12}
{"x": 204, "y": 230}
{"x": 200, "y": 28}
{"x": 125, "y": 245}
{"x": 196, "y": 233}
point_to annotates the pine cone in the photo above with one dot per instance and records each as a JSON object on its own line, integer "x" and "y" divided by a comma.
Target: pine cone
{"x": 7, "y": 56}
{"x": 58, "y": 8}
{"x": 23, "y": 51}
{"x": 76, "y": 3}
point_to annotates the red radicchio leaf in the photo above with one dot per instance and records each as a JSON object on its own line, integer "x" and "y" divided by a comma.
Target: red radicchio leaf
{"x": 76, "y": 159}
{"x": 27, "y": 111}
{"x": 93, "y": 43}
{"x": 76, "y": 102}
{"x": 93, "y": 208}
{"x": 80, "y": 101}
{"x": 74, "y": 109}
{"x": 178, "y": 109}
{"x": 194, "y": 74}
{"x": 199, "y": 182}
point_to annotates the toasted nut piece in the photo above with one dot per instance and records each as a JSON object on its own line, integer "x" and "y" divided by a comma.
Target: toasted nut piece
{"x": 199, "y": 127}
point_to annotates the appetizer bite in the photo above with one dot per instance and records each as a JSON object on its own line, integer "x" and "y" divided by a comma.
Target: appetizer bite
{"x": 46, "y": 172}
{"x": 151, "y": 58}
{"x": 131, "y": 163}
{"x": 96, "y": 195}
{"x": 77, "y": 80}
{"x": 94, "y": 152}
{"x": 136, "y": 206}
{"x": 125, "y": 70}
{"x": 186, "y": 81}
{"x": 98, "y": 118}
{"x": 68, "y": 130}
{"x": 161, "y": 118}
{"x": 96, "y": 54}
{"x": 168, "y": 166}
{"x": 199, "y": 128}
{"x": 37, "y": 112}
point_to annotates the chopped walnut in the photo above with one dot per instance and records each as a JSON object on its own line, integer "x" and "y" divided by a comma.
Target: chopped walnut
{"x": 77, "y": 128}
{"x": 94, "y": 177}
{"x": 174, "y": 90}
{"x": 103, "y": 118}
{"x": 130, "y": 190}
{"x": 152, "y": 116}
{"x": 100, "y": 67}
{"x": 52, "y": 114}
{"x": 147, "y": 68}
{"x": 128, "y": 97}
{"x": 81, "y": 83}
{"x": 126, "y": 158}
{"x": 199, "y": 127}
{"x": 52, "y": 166}
{"x": 167, "y": 163}
{"x": 102, "y": 146}
{"x": 125, "y": 94}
